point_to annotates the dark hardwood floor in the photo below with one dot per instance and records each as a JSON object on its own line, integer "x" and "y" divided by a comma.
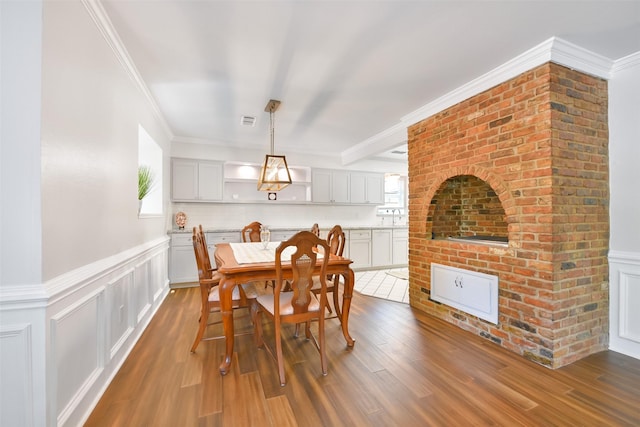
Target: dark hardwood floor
{"x": 406, "y": 369}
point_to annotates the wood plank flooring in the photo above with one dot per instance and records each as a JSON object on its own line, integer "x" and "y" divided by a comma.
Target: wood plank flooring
{"x": 406, "y": 369}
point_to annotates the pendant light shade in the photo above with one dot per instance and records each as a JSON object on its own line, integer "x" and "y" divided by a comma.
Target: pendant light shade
{"x": 275, "y": 174}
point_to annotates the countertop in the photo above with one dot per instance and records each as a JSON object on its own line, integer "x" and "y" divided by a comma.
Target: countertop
{"x": 238, "y": 230}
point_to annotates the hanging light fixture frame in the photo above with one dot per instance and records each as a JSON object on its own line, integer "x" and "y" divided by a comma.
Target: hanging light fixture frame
{"x": 274, "y": 175}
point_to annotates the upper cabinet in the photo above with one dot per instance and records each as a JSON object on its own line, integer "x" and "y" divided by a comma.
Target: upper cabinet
{"x": 241, "y": 184}
{"x": 342, "y": 186}
{"x": 329, "y": 186}
{"x": 367, "y": 188}
{"x": 196, "y": 180}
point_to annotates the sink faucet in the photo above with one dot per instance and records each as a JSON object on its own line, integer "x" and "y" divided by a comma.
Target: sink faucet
{"x": 393, "y": 217}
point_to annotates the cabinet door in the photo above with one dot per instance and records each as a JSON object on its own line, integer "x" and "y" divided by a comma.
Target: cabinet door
{"x": 321, "y": 186}
{"x": 182, "y": 267}
{"x": 381, "y": 244}
{"x": 184, "y": 179}
{"x": 210, "y": 181}
{"x": 340, "y": 187}
{"x": 360, "y": 253}
{"x": 367, "y": 188}
{"x": 358, "y": 186}
{"x": 375, "y": 189}
{"x": 400, "y": 247}
{"x": 360, "y": 248}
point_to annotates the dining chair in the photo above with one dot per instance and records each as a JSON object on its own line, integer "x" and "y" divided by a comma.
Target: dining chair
{"x": 251, "y": 232}
{"x": 243, "y": 296}
{"x": 315, "y": 229}
{"x": 300, "y": 305}
{"x": 336, "y": 240}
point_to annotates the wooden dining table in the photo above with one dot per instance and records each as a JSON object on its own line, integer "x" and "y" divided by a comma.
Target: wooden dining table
{"x": 261, "y": 268}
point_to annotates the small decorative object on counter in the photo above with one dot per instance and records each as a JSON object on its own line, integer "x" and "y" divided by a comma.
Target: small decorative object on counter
{"x": 181, "y": 220}
{"x": 265, "y": 236}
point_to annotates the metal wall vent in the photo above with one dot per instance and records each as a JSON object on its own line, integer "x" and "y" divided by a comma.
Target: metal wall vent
{"x": 398, "y": 152}
{"x": 248, "y": 121}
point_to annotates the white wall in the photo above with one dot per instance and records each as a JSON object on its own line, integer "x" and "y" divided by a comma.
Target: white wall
{"x": 90, "y": 114}
{"x": 81, "y": 275}
{"x": 624, "y": 253}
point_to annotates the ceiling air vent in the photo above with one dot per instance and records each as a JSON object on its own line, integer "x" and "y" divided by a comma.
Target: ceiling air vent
{"x": 248, "y": 121}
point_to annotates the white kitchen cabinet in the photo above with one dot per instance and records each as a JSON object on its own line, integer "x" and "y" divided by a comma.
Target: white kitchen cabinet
{"x": 329, "y": 186}
{"x": 360, "y": 248}
{"x": 215, "y": 237}
{"x": 366, "y": 188}
{"x": 400, "y": 246}
{"x": 196, "y": 180}
{"x": 182, "y": 262}
{"x": 282, "y": 235}
{"x": 240, "y": 184}
{"x": 381, "y": 254}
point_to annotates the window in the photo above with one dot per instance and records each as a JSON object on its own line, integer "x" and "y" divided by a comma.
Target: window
{"x": 395, "y": 195}
{"x": 150, "y": 155}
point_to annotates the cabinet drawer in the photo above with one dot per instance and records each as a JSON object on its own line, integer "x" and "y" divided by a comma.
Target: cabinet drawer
{"x": 182, "y": 239}
{"x": 359, "y": 234}
{"x": 215, "y": 238}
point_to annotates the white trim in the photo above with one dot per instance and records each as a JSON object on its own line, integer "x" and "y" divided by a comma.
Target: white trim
{"x": 102, "y": 21}
{"x": 622, "y": 64}
{"x": 621, "y": 257}
{"x": 554, "y": 50}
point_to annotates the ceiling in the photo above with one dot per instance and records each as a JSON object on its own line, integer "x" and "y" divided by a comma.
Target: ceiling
{"x": 345, "y": 71}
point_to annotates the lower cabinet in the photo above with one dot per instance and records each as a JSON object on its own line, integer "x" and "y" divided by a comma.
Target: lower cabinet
{"x": 182, "y": 262}
{"x": 360, "y": 248}
{"x": 381, "y": 254}
{"x": 215, "y": 237}
{"x": 400, "y": 246}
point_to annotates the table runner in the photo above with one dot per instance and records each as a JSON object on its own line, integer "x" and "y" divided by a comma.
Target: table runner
{"x": 254, "y": 252}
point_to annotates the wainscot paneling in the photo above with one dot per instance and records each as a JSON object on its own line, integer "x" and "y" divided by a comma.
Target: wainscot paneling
{"x": 624, "y": 300}
{"x": 77, "y": 342}
{"x": 16, "y": 387}
{"x": 62, "y": 342}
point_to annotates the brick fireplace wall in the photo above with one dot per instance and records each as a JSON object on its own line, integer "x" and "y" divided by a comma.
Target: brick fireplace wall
{"x": 540, "y": 142}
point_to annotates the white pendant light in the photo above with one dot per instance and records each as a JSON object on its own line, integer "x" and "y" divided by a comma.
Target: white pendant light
{"x": 274, "y": 175}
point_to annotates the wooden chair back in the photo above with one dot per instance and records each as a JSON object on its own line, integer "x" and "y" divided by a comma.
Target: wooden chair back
{"x": 251, "y": 232}
{"x": 336, "y": 239}
{"x": 303, "y": 263}
{"x": 315, "y": 229}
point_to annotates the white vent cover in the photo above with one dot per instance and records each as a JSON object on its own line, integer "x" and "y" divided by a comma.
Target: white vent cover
{"x": 248, "y": 121}
{"x": 470, "y": 291}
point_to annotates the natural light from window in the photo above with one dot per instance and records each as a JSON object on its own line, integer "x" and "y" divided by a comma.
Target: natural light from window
{"x": 150, "y": 154}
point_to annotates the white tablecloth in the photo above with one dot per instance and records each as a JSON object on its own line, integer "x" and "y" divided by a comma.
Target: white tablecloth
{"x": 249, "y": 253}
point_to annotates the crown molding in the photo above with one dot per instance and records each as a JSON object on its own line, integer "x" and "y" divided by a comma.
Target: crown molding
{"x": 553, "y": 49}
{"x": 102, "y": 21}
{"x": 625, "y": 63}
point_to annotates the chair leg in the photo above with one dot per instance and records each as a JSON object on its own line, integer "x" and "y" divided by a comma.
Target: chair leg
{"x": 307, "y": 330}
{"x": 279, "y": 355}
{"x": 204, "y": 318}
{"x": 323, "y": 356}
{"x": 336, "y": 302}
{"x": 296, "y": 333}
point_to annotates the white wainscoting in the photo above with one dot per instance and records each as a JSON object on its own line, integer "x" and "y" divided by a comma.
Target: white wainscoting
{"x": 62, "y": 342}
{"x": 624, "y": 300}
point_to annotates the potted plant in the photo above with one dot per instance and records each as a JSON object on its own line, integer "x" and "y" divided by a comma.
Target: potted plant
{"x": 146, "y": 181}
